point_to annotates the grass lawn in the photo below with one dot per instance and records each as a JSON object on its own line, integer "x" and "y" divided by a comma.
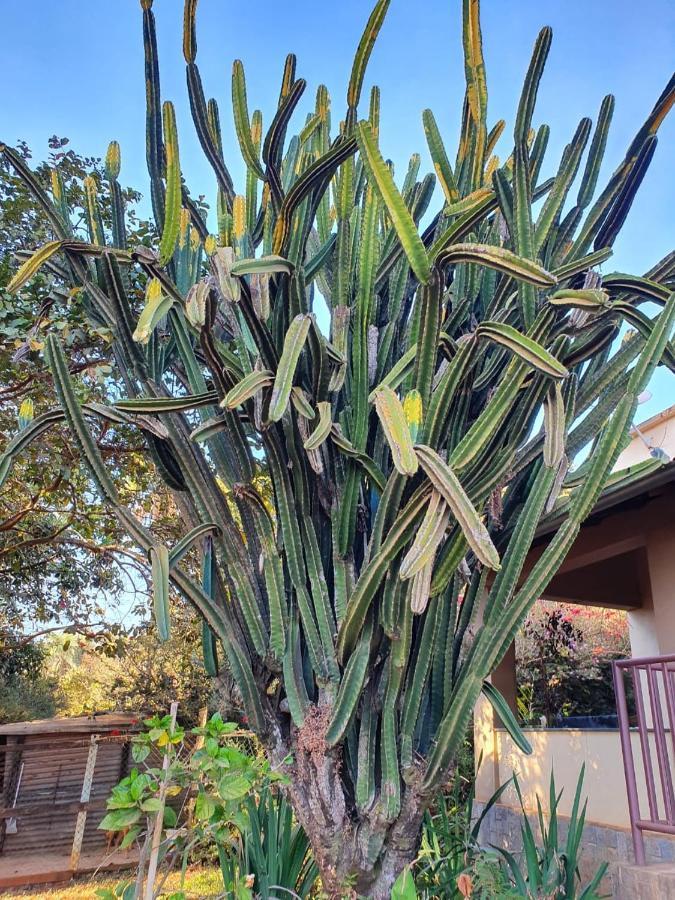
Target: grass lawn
{"x": 199, "y": 883}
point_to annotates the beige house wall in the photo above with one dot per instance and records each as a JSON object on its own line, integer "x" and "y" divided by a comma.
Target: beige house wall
{"x": 657, "y": 433}
{"x": 562, "y": 751}
{"x": 626, "y": 559}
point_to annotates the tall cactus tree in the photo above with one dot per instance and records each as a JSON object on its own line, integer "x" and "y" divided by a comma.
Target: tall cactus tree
{"x": 415, "y": 436}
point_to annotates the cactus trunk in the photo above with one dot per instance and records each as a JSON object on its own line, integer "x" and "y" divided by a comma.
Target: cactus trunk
{"x": 365, "y": 409}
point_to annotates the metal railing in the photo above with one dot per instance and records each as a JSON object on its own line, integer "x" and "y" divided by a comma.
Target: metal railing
{"x": 653, "y": 685}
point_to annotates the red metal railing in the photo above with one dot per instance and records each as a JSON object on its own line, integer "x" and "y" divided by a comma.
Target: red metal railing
{"x": 654, "y": 697}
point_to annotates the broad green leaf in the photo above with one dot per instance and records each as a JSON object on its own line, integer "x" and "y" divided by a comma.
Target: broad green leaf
{"x": 232, "y": 787}
{"x": 404, "y": 886}
{"x": 119, "y": 819}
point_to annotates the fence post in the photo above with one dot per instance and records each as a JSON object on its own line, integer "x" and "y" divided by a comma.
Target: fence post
{"x": 84, "y": 798}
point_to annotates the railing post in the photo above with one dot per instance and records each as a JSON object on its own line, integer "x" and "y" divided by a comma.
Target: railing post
{"x": 628, "y": 764}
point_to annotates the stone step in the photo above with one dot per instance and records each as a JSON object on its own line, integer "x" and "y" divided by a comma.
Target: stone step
{"x": 655, "y": 882}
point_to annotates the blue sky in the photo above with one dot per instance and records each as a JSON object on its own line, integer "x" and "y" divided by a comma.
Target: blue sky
{"x": 76, "y": 69}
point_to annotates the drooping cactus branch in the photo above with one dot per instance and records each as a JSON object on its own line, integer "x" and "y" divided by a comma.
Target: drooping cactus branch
{"x": 415, "y": 436}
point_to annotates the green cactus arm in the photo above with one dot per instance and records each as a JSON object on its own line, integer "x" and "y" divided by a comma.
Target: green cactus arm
{"x": 567, "y": 171}
{"x": 523, "y": 346}
{"x": 198, "y": 108}
{"x": 75, "y": 418}
{"x": 420, "y": 669}
{"x": 241, "y": 120}
{"x": 373, "y": 573}
{"x": 589, "y": 178}
{"x": 506, "y": 717}
{"x": 605, "y": 202}
{"x": 173, "y": 193}
{"x": 25, "y": 437}
{"x": 294, "y": 683}
{"x": 395, "y": 427}
{"x": 159, "y": 559}
{"x": 247, "y": 388}
{"x": 323, "y": 611}
{"x": 476, "y": 87}
{"x": 554, "y": 426}
{"x": 166, "y": 404}
{"x": 322, "y": 429}
{"x": 439, "y": 157}
{"x": 365, "y": 781}
{"x": 531, "y": 85}
{"x": 446, "y": 483}
{"x": 401, "y": 219}
{"x": 61, "y": 229}
{"x": 428, "y": 538}
{"x": 181, "y": 548}
{"x": 283, "y": 381}
{"x": 320, "y": 170}
{"x": 498, "y": 258}
{"x": 429, "y": 300}
{"x": 33, "y": 264}
{"x": 363, "y": 52}
{"x": 351, "y": 687}
{"x": 644, "y": 288}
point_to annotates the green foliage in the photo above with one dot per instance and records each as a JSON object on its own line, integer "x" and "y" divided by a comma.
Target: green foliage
{"x": 450, "y": 839}
{"x": 564, "y": 659}
{"x": 132, "y": 672}
{"x": 61, "y": 551}
{"x": 551, "y": 868}
{"x": 439, "y": 356}
{"x": 231, "y": 808}
{"x": 275, "y": 855}
{"x": 452, "y": 863}
{"x": 26, "y": 689}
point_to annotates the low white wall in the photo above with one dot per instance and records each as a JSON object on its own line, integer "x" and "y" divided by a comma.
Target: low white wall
{"x": 562, "y": 751}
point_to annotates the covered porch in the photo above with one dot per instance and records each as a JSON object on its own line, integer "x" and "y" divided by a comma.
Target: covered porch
{"x": 623, "y": 558}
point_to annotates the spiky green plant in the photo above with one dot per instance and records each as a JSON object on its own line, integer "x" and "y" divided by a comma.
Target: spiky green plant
{"x": 414, "y": 441}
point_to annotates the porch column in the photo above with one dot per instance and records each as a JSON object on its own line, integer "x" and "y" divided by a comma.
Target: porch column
{"x": 484, "y": 722}
{"x": 652, "y": 627}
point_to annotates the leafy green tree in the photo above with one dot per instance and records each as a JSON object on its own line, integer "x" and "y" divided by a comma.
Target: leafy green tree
{"x": 26, "y": 690}
{"x": 564, "y": 656}
{"x": 413, "y": 444}
{"x": 64, "y": 560}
